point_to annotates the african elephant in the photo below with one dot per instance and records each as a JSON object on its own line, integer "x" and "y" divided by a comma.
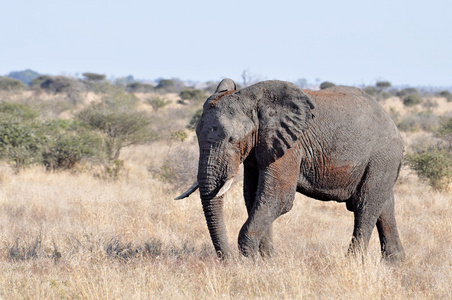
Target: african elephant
{"x": 335, "y": 144}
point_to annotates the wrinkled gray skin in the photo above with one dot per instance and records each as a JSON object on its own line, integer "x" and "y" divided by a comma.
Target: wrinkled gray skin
{"x": 336, "y": 144}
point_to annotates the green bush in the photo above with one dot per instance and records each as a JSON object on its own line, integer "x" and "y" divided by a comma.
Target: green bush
{"x": 11, "y": 84}
{"x": 20, "y": 134}
{"x": 192, "y": 94}
{"x": 412, "y": 100}
{"x": 326, "y": 84}
{"x": 20, "y": 142}
{"x": 166, "y": 85}
{"x": 419, "y": 121}
{"x": 445, "y": 131}
{"x": 68, "y": 142}
{"x": 16, "y": 112}
{"x": 118, "y": 119}
{"x": 60, "y": 85}
{"x": 57, "y": 144}
{"x": 433, "y": 165}
{"x": 447, "y": 95}
{"x": 157, "y": 103}
{"x": 406, "y": 92}
{"x": 139, "y": 87}
{"x": 371, "y": 90}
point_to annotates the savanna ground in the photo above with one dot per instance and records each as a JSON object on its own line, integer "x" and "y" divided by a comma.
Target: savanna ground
{"x": 71, "y": 234}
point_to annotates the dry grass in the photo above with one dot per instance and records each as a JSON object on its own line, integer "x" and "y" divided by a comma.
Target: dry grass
{"x": 68, "y": 235}
{"x": 71, "y": 235}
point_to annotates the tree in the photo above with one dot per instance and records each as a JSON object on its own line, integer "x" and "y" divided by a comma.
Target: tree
{"x": 120, "y": 122}
{"x": 382, "y": 85}
{"x": 326, "y": 84}
{"x": 249, "y": 78}
{"x": 93, "y": 76}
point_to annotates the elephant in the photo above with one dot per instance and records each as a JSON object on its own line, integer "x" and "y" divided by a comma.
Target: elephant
{"x": 336, "y": 144}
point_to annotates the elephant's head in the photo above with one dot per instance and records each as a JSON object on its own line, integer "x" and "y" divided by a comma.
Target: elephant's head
{"x": 264, "y": 120}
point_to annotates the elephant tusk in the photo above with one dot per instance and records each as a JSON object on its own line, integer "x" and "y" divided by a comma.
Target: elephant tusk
{"x": 225, "y": 187}
{"x": 193, "y": 188}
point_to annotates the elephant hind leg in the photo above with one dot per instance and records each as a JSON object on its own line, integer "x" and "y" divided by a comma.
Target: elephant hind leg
{"x": 391, "y": 247}
{"x": 373, "y": 204}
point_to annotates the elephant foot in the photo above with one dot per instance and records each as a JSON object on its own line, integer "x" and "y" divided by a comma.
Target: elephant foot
{"x": 266, "y": 249}
{"x": 355, "y": 250}
{"x": 247, "y": 246}
{"x": 393, "y": 257}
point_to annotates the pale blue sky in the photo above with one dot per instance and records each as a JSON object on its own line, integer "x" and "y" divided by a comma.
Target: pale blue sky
{"x": 347, "y": 42}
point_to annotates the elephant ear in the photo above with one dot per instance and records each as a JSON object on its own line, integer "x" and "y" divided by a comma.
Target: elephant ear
{"x": 284, "y": 112}
{"x": 226, "y": 85}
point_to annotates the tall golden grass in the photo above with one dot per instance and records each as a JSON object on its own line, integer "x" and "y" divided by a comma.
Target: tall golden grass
{"x": 70, "y": 235}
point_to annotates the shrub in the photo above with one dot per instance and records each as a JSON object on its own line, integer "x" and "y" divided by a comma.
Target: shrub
{"x": 192, "y": 94}
{"x": 57, "y": 84}
{"x": 445, "y": 131}
{"x": 20, "y": 142}
{"x": 11, "y": 84}
{"x": 406, "y": 92}
{"x": 16, "y": 112}
{"x": 139, "y": 87}
{"x": 158, "y": 102}
{"x": 419, "y": 121}
{"x": 179, "y": 167}
{"x": 68, "y": 142}
{"x": 447, "y": 95}
{"x": 326, "y": 84}
{"x": 60, "y": 84}
{"x": 371, "y": 90}
{"x": 166, "y": 85}
{"x": 179, "y": 135}
{"x": 384, "y": 95}
{"x": 20, "y": 134}
{"x": 117, "y": 118}
{"x": 433, "y": 165}
{"x": 195, "y": 120}
{"x": 412, "y": 100}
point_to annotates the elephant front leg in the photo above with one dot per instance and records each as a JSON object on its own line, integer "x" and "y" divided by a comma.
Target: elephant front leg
{"x": 250, "y": 185}
{"x": 274, "y": 196}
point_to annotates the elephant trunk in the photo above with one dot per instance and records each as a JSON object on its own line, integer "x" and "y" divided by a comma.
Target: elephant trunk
{"x": 213, "y": 211}
{"x": 210, "y": 179}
